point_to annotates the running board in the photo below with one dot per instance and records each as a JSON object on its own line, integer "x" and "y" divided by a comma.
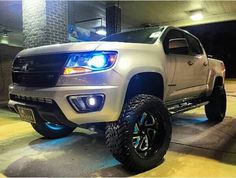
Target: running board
{"x": 186, "y": 106}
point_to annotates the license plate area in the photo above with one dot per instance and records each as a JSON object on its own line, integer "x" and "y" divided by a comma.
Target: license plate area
{"x": 26, "y": 114}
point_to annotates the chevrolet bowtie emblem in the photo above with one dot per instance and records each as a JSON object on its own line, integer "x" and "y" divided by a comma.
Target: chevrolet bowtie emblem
{"x": 25, "y": 67}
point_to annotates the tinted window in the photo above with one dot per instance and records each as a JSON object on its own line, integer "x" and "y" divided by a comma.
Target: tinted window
{"x": 172, "y": 34}
{"x": 146, "y": 35}
{"x": 194, "y": 45}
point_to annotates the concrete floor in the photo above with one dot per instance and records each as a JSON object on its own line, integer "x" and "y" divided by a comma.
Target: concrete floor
{"x": 197, "y": 149}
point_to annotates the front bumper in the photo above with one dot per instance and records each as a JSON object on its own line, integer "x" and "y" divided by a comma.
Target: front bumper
{"x": 58, "y": 95}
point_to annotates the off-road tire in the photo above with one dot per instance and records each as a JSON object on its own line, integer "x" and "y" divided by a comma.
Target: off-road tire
{"x": 119, "y": 135}
{"x": 216, "y": 108}
{"x": 45, "y": 130}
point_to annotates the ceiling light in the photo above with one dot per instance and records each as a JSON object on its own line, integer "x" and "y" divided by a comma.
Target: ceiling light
{"x": 4, "y": 39}
{"x": 196, "y": 15}
{"x": 4, "y": 35}
{"x": 101, "y": 31}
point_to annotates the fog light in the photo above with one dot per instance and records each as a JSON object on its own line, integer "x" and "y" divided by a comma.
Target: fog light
{"x": 87, "y": 103}
{"x": 91, "y": 101}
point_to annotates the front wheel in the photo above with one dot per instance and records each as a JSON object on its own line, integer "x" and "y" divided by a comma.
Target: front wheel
{"x": 141, "y": 136}
{"x": 216, "y": 108}
{"x": 51, "y": 130}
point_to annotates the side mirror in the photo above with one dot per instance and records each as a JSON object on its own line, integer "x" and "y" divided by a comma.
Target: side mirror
{"x": 178, "y": 46}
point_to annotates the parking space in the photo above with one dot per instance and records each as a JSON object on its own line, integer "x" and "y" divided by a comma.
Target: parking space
{"x": 197, "y": 148}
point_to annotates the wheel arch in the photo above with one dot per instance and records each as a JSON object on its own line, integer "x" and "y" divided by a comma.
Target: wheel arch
{"x": 218, "y": 81}
{"x": 215, "y": 81}
{"x": 145, "y": 83}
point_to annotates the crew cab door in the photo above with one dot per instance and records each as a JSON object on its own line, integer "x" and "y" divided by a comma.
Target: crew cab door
{"x": 191, "y": 67}
{"x": 199, "y": 62}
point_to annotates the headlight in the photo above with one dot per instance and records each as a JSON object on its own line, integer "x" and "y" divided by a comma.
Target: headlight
{"x": 91, "y": 61}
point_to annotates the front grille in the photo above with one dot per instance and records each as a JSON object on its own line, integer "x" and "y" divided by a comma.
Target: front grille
{"x": 38, "y": 71}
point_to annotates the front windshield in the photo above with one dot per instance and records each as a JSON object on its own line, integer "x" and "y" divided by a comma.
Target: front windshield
{"x": 145, "y": 35}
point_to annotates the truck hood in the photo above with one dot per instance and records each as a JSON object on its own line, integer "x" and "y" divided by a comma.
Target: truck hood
{"x": 82, "y": 47}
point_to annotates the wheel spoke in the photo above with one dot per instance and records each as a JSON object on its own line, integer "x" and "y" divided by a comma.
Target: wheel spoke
{"x": 136, "y": 136}
{"x": 151, "y": 133}
{"x": 145, "y": 133}
{"x": 150, "y": 121}
{"x": 136, "y": 129}
{"x": 143, "y": 118}
{"x": 143, "y": 146}
{"x": 136, "y": 141}
{"x": 151, "y": 125}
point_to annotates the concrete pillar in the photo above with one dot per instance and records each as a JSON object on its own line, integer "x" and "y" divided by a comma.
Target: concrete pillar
{"x": 113, "y": 20}
{"x": 44, "y": 22}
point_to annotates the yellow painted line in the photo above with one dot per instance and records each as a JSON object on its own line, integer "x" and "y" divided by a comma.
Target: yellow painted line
{"x": 1, "y": 175}
{"x": 14, "y": 130}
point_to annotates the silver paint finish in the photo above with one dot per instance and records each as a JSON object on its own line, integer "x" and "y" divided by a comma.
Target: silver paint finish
{"x": 133, "y": 59}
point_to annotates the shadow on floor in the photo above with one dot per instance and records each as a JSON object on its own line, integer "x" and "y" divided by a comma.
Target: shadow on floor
{"x": 86, "y": 155}
{"x": 77, "y": 155}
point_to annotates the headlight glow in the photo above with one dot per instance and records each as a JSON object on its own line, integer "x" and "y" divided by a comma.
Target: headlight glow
{"x": 88, "y": 62}
{"x": 98, "y": 61}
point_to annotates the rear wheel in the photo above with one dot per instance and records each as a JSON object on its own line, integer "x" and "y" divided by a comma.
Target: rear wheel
{"x": 51, "y": 130}
{"x": 141, "y": 137}
{"x": 216, "y": 108}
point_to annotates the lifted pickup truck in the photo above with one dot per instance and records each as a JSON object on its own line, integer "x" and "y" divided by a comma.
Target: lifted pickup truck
{"x": 133, "y": 81}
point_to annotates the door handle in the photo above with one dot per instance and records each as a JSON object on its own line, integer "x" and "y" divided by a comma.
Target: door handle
{"x": 205, "y": 63}
{"x": 190, "y": 63}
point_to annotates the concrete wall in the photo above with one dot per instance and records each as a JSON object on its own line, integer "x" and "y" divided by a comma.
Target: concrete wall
{"x": 7, "y": 54}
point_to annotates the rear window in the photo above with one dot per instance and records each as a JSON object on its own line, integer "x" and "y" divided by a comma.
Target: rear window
{"x": 194, "y": 45}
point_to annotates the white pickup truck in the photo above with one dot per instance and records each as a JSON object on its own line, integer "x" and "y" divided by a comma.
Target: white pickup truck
{"x": 133, "y": 81}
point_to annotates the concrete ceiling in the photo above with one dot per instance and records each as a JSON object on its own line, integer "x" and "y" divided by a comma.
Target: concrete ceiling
{"x": 134, "y": 13}
{"x": 175, "y": 13}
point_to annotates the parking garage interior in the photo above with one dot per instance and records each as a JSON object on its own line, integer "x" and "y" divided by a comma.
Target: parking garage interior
{"x": 198, "y": 148}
